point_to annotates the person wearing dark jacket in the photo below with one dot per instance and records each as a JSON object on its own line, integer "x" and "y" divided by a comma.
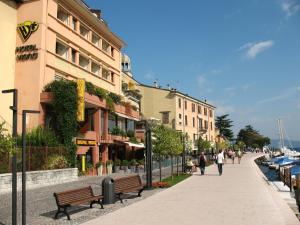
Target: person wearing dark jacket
{"x": 202, "y": 163}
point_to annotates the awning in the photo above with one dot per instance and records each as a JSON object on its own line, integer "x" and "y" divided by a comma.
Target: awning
{"x": 140, "y": 145}
{"x": 81, "y": 150}
{"x": 125, "y": 116}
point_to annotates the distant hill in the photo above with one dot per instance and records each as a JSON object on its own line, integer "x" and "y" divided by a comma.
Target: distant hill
{"x": 275, "y": 143}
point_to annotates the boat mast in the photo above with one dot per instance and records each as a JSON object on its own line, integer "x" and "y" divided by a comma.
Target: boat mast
{"x": 280, "y": 134}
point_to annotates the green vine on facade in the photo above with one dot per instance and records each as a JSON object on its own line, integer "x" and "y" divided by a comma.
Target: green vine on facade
{"x": 65, "y": 112}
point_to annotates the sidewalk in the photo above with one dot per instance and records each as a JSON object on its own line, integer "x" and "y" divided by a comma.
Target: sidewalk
{"x": 240, "y": 196}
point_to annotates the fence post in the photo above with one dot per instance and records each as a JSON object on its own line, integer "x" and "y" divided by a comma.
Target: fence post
{"x": 46, "y": 156}
{"x": 29, "y": 157}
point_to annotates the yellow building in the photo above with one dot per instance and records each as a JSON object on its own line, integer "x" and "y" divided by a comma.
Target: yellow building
{"x": 8, "y": 22}
{"x": 129, "y": 85}
{"x": 179, "y": 111}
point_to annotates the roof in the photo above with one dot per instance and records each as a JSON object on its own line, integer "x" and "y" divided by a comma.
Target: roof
{"x": 178, "y": 92}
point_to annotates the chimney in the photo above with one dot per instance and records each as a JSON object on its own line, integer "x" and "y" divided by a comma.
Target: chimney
{"x": 168, "y": 86}
{"x": 96, "y": 12}
{"x": 205, "y": 100}
{"x": 155, "y": 84}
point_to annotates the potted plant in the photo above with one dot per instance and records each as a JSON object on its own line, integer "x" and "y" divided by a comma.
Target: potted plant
{"x": 133, "y": 164}
{"x": 99, "y": 167}
{"x": 109, "y": 165}
{"x": 141, "y": 164}
{"x": 125, "y": 165}
{"x": 117, "y": 165}
{"x": 89, "y": 169}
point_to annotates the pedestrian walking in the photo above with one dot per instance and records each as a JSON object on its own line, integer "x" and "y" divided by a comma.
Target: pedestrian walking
{"x": 202, "y": 163}
{"x": 220, "y": 160}
{"x": 239, "y": 154}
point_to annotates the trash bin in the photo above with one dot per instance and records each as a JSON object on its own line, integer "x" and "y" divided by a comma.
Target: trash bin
{"x": 108, "y": 190}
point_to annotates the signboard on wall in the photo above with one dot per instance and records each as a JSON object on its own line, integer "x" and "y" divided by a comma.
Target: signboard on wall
{"x": 85, "y": 142}
{"x": 26, "y": 29}
{"x": 80, "y": 101}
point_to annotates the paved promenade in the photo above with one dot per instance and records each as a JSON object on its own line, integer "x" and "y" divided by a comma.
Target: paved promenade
{"x": 240, "y": 196}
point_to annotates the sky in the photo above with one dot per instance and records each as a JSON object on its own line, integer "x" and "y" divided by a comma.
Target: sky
{"x": 243, "y": 56}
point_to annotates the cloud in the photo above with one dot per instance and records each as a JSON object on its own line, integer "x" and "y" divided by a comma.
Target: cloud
{"x": 224, "y": 109}
{"x": 290, "y": 7}
{"x": 201, "y": 80}
{"x": 253, "y": 49}
{"x": 284, "y": 95}
{"x": 150, "y": 76}
{"x": 215, "y": 71}
{"x": 246, "y": 87}
{"x": 230, "y": 89}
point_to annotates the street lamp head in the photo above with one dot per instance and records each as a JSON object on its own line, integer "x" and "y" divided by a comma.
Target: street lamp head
{"x": 9, "y": 91}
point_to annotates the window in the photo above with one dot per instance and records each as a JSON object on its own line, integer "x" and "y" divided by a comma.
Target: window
{"x": 185, "y": 120}
{"x": 105, "y": 46}
{"x": 74, "y": 52}
{"x": 61, "y": 49}
{"x": 112, "y": 77}
{"x": 63, "y": 16}
{"x": 199, "y": 109}
{"x": 185, "y": 104}
{"x": 179, "y": 116}
{"x": 205, "y": 111}
{"x": 200, "y": 123}
{"x": 205, "y": 124}
{"x": 84, "y": 62}
{"x": 179, "y": 102}
{"x": 95, "y": 68}
{"x": 105, "y": 73}
{"x": 112, "y": 52}
{"x": 193, "y": 121}
{"x": 193, "y": 107}
{"x": 95, "y": 39}
{"x": 165, "y": 117}
{"x": 84, "y": 32}
{"x": 74, "y": 24}
{"x": 210, "y": 113}
{"x": 211, "y": 125}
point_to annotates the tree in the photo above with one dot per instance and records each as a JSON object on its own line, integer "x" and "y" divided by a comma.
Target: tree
{"x": 161, "y": 143}
{"x": 252, "y": 137}
{"x": 203, "y": 145}
{"x": 222, "y": 145}
{"x": 224, "y": 124}
{"x": 7, "y": 142}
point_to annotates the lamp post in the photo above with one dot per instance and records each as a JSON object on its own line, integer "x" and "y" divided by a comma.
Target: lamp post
{"x": 148, "y": 156}
{"x": 24, "y": 113}
{"x": 14, "y": 108}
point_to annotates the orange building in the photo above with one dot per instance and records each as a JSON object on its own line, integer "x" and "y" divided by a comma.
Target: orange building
{"x": 65, "y": 39}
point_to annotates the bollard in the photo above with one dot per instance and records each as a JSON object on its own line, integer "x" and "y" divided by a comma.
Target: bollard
{"x": 297, "y": 180}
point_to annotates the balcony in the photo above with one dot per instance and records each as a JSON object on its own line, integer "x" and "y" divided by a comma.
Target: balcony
{"x": 94, "y": 101}
{"x": 110, "y": 139}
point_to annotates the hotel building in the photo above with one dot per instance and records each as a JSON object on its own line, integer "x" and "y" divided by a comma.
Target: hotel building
{"x": 177, "y": 110}
{"x": 65, "y": 39}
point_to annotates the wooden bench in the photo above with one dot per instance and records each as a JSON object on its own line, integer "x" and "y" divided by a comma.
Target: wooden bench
{"x": 76, "y": 197}
{"x": 128, "y": 184}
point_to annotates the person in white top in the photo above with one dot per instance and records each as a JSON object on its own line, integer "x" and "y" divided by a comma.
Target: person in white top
{"x": 220, "y": 161}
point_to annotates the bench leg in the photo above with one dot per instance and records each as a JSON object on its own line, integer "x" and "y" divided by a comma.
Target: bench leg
{"x": 100, "y": 203}
{"x": 64, "y": 212}
{"x": 93, "y": 202}
{"x": 140, "y": 192}
{"x": 119, "y": 197}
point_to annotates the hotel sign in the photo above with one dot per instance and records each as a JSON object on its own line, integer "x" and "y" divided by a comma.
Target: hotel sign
{"x": 26, "y": 52}
{"x": 80, "y": 101}
{"x": 85, "y": 142}
{"x": 26, "y": 29}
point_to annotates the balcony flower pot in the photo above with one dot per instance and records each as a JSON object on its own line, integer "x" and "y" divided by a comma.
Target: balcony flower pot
{"x": 99, "y": 166}
{"x": 109, "y": 167}
{"x": 117, "y": 164}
